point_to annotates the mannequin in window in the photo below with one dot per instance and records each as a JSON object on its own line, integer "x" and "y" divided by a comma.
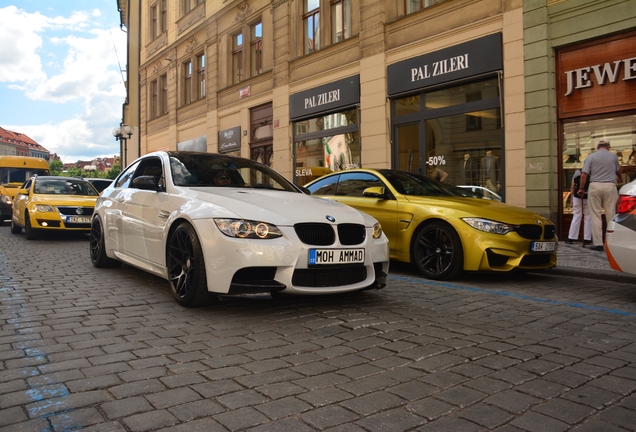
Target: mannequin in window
{"x": 490, "y": 172}
{"x": 467, "y": 171}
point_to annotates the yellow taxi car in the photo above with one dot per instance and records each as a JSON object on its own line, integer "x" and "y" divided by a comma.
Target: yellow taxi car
{"x": 440, "y": 231}
{"x": 53, "y": 203}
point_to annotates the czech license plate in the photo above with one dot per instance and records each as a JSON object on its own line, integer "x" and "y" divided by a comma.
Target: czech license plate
{"x": 79, "y": 219}
{"x": 336, "y": 256}
{"x": 542, "y": 246}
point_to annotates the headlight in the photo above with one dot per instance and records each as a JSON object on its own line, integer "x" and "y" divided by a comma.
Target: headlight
{"x": 489, "y": 226}
{"x": 240, "y": 228}
{"x": 44, "y": 208}
{"x": 377, "y": 230}
{"x": 5, "y": 199}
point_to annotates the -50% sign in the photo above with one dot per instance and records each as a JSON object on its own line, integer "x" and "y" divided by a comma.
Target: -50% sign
{"x": 436, "y": 160}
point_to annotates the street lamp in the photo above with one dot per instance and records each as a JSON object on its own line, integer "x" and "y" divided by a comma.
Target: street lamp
{"x": 123, "y": 134}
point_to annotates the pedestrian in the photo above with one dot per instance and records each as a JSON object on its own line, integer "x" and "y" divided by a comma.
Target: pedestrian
{"x": 602, "y": 170}
{"x": 579, "y": 209}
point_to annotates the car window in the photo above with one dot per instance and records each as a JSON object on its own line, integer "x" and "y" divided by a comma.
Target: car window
{"x": 413, "y": 184}
{"x": 215, "y": 170}
{"x": 354, "y": 183}
{"x": 27, "y": 184}
{"x": 62, "y": 186}
{"x": 124, "y": 179}
{"x": 151, "y": 166}
{"x": 324, "y": 186}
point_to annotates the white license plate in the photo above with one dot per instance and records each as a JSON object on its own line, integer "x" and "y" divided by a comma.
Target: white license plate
{"x": 336, "y": 256}
{"x": 79, "y": 219}
{"x": 542, "y": 246}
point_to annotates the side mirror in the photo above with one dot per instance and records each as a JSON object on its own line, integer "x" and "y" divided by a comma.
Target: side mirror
{"x": 376, "y": 192}
{"x": 147, "y": 183}
{"x": 22, "y": 192}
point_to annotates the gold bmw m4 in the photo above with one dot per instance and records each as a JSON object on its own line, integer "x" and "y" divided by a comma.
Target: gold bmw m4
{"x": 441, "y": 232}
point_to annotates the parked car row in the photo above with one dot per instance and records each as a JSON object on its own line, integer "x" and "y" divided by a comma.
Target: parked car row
{"x": 215, "y": 224}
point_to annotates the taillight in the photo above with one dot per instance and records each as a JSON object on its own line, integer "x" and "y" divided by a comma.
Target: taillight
{"x": 625, "y": 204}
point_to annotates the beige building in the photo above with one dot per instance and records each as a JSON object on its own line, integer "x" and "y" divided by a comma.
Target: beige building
{"x": 312, "y": 86}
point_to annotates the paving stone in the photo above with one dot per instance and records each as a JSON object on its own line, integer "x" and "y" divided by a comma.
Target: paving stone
{"x": 126, "y": 407}
{"x": 329, "y": 416}
{"x": 150, "y": 421}
{"x": 76, "y": 419}
{"x": 537, "y": 422}
{"x": 241, "y": 419}
{"x": 566, "y": 411}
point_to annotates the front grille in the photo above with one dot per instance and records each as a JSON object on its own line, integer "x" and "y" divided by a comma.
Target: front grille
{"x": 530, "y": 232}
{"x": 72, "y": 211}
{"x": 317, "y": 234}
{"x": 351, "y": 234}
{"x": 329, "y": 277}
{"x": 78, "y": 225}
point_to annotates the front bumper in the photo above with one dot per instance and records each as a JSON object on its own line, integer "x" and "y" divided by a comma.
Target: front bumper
{"x": 238, "y": 266}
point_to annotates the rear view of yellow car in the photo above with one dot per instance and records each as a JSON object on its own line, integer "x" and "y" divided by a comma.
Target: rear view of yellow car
{"x": 14, "y": 171}
{"x": 48, "y": 203}
{"x": 441, "y": 232}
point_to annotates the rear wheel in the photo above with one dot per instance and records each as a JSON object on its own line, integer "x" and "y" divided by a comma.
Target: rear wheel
{"x": 15, "y": 229}
{"x": 28, "y": 229}
{"x": 186, "y": 268}
{"x": 437, "y": 251}
{"x": 97, "y": 246}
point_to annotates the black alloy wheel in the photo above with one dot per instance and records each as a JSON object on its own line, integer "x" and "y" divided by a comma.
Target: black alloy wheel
{"x": 186, "y": 268}
{"x": 98, "y": 246}
{"x": 437, "y": 251}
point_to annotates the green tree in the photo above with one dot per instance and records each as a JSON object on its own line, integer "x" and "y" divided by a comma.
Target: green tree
{"x": 113, "y": 172}
{"x": 56, "y": 167}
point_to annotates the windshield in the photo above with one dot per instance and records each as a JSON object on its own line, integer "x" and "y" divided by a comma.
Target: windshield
{"x": 214, "y": 170}
{"x": 414, "y": 184}
{"x": 61, "y": 186}
{"x": 19, "y": 175}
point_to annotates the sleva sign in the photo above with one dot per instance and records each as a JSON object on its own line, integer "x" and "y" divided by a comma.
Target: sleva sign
{"x": 600, "y": 74}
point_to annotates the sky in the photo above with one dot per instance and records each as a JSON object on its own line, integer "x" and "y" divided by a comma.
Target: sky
{"x": 62, "y": 72}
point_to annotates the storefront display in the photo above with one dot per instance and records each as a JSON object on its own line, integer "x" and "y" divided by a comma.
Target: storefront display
{"x": 452, "y": 124}
{"x": 596, "y": 99}
{"x": 325, "y": 127}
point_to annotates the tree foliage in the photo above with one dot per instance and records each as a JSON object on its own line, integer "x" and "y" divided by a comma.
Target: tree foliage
{"x": 57, "y": 169}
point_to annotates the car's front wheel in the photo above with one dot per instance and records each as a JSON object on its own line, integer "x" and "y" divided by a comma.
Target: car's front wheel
{"x": 97, "y": 246}
{"x": 437, "y": 251}
{"x": 30, "y": 233}
{"x": 186, "y": 268}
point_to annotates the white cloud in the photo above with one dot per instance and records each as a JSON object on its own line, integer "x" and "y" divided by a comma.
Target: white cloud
{"x": 70, "y": 62}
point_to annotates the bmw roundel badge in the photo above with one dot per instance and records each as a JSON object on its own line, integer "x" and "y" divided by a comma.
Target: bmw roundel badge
{"x": 331, "y": 218}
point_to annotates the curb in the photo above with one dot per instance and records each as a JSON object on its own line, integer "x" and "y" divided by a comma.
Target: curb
{"x": 589, "y": 273}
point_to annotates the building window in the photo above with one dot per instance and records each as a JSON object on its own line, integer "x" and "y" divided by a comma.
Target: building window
{"x": 311, "y": 26}
{"x": 163, "y": 94}
{"x": 200, "y": 76}
{"x": 187, "y": 82}
{"x": 188, "y": 5}
{"x": 256, "y": 49}
{"x": 411, "y": 6}
{"x": 163, "y": 16}
{"x": 237, "y": 58}
{"x": 340, "y": 20}
{"x": 154, "y": 95}
{"x": 158, "y": 19}
{"x": 153, "y": 22}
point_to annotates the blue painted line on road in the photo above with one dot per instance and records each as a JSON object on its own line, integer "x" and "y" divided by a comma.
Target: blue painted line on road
{"x": 514, "y": 295}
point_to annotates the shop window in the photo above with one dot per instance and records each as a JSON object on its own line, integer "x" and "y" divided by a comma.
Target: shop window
{"x": 311, "y": 26}
{"x": 256, "y": 49}
{"x": 327, "y": 143}
{"x": 340, "y": 20}
{"x": 580, "y": 138}
{"x": 237, "y": 58}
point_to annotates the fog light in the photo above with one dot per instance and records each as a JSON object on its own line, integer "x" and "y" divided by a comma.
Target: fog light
{"x": 44, "y": 224}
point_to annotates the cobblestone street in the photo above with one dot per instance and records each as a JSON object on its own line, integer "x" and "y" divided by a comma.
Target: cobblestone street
{"x": 110, "y": 350}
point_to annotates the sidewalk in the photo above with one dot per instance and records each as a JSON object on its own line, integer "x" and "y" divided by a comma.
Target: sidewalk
{"x": 576, "y": 260}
